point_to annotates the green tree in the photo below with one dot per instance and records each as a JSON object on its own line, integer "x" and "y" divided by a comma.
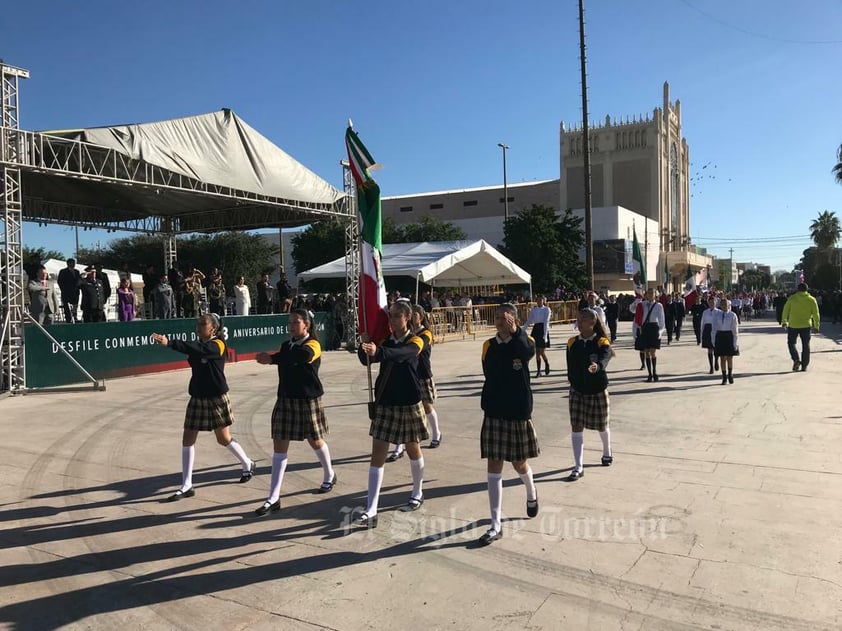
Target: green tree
{"x": 34, "y": 258}
{"x": 754, "y": 279}
{"x": 837, "y": 170}
{"x": 430, "y": 228}
{"x": 826, "y": 277}
{"x": 809, "y": 262}
{"x": 825, "y": 230}
{"x": 547, "y": 246}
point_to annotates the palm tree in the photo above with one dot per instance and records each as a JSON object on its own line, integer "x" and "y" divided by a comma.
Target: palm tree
{"x": 838, "y": 168}
{"x": 825, "y": 232}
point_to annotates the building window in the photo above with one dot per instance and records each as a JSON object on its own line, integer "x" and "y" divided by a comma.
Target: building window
{"x": 511, "y": 199}
{"x": 406, "y": 209}
{"x": 472, "y": 202}
{"x": 436, "y": 206}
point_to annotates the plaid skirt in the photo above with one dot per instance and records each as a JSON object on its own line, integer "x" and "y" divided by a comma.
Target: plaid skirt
{"x": 512, "y": 441}
{"x": 297, "y": 419}
{"x": 399, "y": 423}
{"x": 590, "y": 410}
{"x": 206, "y": 415}
{"x": 428, "y": 390}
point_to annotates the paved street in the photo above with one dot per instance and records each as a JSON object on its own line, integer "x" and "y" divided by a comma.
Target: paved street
{"x": 723, "y": 509}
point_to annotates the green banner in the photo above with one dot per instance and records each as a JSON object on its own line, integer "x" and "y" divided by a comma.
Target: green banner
{"x": 118, "y": 349}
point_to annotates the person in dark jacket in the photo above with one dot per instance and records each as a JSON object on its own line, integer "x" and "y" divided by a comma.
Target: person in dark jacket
{"x": 398, "y": 412}
{"x": 209, "y": 408}
{"x": 588, "y": 355}
{"x": 507, "y": 432}
{"x": 612, "y": 314}
{"x": 675, "y": 317}
{"x": 298, "y": 413}
{"x": 69, "y": 280}
{"x": 93, "y": 297}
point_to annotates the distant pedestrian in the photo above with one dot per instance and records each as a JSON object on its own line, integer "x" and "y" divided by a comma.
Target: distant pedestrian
{"x": 726, "y": 342}
{"x": 708, "y": 317}
{"x": 209, "y": 408}
{"x": 800, "y": 315}
{"x": 539, "y": 318}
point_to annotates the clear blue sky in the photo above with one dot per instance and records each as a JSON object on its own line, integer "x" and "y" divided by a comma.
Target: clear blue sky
{"x": 432, "y": 88}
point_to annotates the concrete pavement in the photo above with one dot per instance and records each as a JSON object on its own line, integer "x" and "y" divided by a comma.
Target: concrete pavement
{"x": 722, "y": 510}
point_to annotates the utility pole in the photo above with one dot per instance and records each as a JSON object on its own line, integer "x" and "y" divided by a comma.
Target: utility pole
{"x": 587, "y": 150}
{"x": 731, "y": 268}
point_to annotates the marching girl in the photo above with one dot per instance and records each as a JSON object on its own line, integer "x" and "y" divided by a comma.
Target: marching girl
{"x": 588, "y": 355}
{"x": 209, "y": 408}
{"x": 725, "y": 334}
{"x": 398, "y": 413}
{"x": 651, "y": 327}
{"x": 708, "y": 318}
{"x": 507, "y": 432}
{"x": 298, "y": 413}
{"x": 539, "y": 318}
{"x": 420, "y": 325}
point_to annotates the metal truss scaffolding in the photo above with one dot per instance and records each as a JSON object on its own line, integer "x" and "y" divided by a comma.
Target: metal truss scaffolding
{"x": 11, "y": 242}
{"x": 352, "y": 255}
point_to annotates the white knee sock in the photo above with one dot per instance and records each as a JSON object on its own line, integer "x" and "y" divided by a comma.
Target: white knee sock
{"x": 235, "y": 448}
{"x": 375, "y": 480}
{"x": 433, "y": 420}
{"x": 279, "y": 466}
{"x": 417, "y": 468}
{"x": 606, "y": 442}
{"x": 578, "y": 449}
{"x": 323, "y": 454}
{"x": 495, "y": 499}
{"x": 188, "y": 457}
{"x": 531, "y": 491}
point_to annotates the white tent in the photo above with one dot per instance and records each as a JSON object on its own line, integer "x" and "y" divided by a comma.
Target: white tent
{"x": 438, "y": 262}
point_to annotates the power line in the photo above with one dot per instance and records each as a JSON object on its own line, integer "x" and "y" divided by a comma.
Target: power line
{"x": 756, "y": 34}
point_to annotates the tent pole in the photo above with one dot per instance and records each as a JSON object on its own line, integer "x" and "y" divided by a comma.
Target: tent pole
{"x": 417, "y": 278}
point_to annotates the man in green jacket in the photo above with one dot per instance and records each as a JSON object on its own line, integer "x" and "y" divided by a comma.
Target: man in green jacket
{"x": 800, "y": 315}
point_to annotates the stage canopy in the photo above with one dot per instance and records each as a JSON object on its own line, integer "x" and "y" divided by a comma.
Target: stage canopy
{"x": 448, "y": 263}
{"x": 199, "y": 173}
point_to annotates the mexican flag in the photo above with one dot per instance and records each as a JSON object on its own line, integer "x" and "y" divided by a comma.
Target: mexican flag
{"x": 690, "y": 295}
{"x": 372, "y": 305}
{"x": 638, "y": 268}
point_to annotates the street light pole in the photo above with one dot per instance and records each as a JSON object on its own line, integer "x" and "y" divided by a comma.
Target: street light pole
{"x": 505, "y": 182}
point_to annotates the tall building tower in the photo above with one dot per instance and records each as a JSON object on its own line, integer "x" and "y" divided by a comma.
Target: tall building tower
{"x": 641, "y": 164}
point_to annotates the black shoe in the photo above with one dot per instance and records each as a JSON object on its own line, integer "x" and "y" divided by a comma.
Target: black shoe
{"x": 532, "y": 507}
{"x": 796, "y": 365}
{"x": 575, "y": 475}
{"x": 730, "y": 378}
{"x": 247, "y": 475}
{"x": 180, "y": 494}
{"x": 394, "y": 456}
{"x": 655, "y": 376}
{"x": 607, "y": 461}
{"x": 724, "y": 380}
{"x": 489, "y": 537}
{"x": 716, "y": 365}
{"x": 327, "y": 487}
{"x": 366, "y": 521}
{"x": 538, "y": 374}
{"x": 803, "y": 367}
{"x": 547, "y": 369}
{"x": 710, "y": 372}
{"x": 649, "y": 379}
{"x": 268, "y": 508}
{"x": 412, "y": 505}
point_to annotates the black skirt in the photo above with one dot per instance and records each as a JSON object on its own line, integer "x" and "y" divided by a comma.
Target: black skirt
{"x": 724, "y": 346}
{"x": 649, "y": 338}
{"x": 538, "y": 336}
{"x": 707, "y": 342}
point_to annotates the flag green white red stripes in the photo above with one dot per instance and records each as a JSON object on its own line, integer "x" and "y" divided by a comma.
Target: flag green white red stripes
{"x": 638, "y": 268}
{"x": 372, "y": 304}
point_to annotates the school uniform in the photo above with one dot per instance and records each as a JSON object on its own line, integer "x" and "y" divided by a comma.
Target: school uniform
{"x": 507, "y": 430}
{"x": 725, "y": 334}
{"x": 588, "y": 400}
{"x": 708, "y": 318}
{"x": 425, "y": 369}
{"x": 209, "y": 407}
{"x": 299, "y": 413}
{"x": 651, "y": 326}
{"x": 398, "y": 413}
{"x": 539, "y": 318}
